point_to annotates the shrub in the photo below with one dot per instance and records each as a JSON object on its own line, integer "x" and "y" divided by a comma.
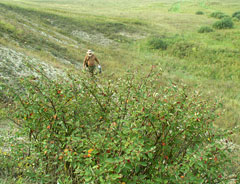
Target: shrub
{"x": 235, "y": 19}
{"x": 157, "y": 43}
{"x": 225, "y": 23}
{"x": 205, "y": 29}
{"x": 199, "y": 13}
{"x": 236, "y": 14}
{"x": 183, "y": 49}
{"x": 218, "y": 15}
{"x": 129, "y": 130}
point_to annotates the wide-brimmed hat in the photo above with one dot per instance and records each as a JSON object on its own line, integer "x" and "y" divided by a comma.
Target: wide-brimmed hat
{"x": 90, "y": 52}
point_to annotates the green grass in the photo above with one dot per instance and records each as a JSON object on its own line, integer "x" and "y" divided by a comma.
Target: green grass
{"x": 119, "y": 33}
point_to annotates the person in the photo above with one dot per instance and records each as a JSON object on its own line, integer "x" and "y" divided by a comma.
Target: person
{"x": 89, "y": 62}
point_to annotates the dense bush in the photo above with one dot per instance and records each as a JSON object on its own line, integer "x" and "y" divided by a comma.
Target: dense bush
{"x": 199, "y": 13}
{"x": 205, "y": 29}
{"x": 236, "y": 14}
{"x": 225, "y": 23}
{"x": 157, "y": 43}
{"x": 218, "y": 15}
{"x": 125, "y": 131}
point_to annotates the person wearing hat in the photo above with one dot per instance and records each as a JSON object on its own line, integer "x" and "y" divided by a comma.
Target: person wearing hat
{"x": 89, "y": 61}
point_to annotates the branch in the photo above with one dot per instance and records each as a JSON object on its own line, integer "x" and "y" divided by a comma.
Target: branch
{"x": 93, "y": 94}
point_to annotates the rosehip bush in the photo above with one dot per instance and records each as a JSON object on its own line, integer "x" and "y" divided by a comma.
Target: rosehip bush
{"x": 81, "y": 130}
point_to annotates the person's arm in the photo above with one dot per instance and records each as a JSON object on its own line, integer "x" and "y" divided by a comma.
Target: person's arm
{"x": 84, "y": 62}
{"x": 96, "y": 59}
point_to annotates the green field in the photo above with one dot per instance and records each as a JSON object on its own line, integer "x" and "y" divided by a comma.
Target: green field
{"x": 129, "y": 35}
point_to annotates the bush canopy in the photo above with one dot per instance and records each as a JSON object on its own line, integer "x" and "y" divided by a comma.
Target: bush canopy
{"x": 130, "y": 130}
{"x": 225, "y": 23}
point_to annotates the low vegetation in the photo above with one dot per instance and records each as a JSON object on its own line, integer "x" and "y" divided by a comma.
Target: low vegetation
{"x": 225, "y": 23}
{"x": 157, "y": 43}
{"x": 218, "y": 15}
{"x": 205, "y": 29}
{"x": 236, "y": 15}
{"x": 199, "y": 13}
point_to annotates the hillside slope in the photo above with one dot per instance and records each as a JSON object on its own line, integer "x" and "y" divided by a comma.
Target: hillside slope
{"x": 59, "y": 33}
{"x": 128, "y": 35}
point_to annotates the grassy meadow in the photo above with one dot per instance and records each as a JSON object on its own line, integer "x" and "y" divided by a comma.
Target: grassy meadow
{"x": 132, "y": 35}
